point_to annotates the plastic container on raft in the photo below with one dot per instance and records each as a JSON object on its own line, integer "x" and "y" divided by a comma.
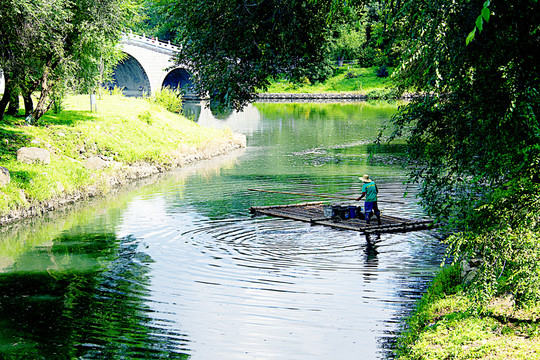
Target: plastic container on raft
{"x": 327, "y": 211}
{"x": 340, "y": 211}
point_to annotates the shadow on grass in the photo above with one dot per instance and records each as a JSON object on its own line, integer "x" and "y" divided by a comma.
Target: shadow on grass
{"x": 22, "y": 177}
{"x": 11, "y": 141}
{"x": 66, "y": 117}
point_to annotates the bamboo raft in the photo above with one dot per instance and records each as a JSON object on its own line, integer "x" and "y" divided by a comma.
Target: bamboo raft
{"x": 313, "y": 213}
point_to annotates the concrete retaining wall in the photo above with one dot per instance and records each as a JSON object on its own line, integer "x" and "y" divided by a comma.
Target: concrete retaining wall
{"x": 311, "y": 97}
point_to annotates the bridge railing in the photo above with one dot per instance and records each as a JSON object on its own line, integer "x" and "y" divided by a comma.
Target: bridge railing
{"x": 166, "y": 45}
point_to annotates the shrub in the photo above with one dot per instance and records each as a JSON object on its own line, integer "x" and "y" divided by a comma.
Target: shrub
{"x": 504, "y": 233}
{"x": 305, "y": 81}
{"x": 383, "y": 94}
{"x": 351, "y": 75}
{"x": 117, "y": 91}
{"x": 169, "y": 99}
{"x": 367, "y": 57}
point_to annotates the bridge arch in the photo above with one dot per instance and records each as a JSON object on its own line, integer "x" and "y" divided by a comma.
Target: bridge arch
{"x": 148, "y": 67}
{"x": 180, "y": 79}
{"x": 131, "y": 76}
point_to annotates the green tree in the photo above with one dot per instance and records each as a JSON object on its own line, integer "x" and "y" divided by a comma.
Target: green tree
{"x": 376, "y": 21}
{"x": 234, "y": 46}
{"x": 45, "y": 43}
{"x": 157, "y": 19}
{"x": 349, "y": 37}
{"x": 473, "y": 133}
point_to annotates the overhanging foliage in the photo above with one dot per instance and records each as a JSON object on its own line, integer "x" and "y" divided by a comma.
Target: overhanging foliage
{"x": 43, "y": 44}
{"x": 474, "y": 133}
{"x": 234, "y": 46}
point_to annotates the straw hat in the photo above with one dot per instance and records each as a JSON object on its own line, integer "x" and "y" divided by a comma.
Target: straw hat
{"x": 365, "y": 179}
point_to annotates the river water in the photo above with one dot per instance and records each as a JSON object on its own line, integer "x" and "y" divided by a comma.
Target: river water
{"x": 175, "y": 267}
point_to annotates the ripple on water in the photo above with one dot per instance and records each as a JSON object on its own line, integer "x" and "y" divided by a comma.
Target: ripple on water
{"x": 183, "y": 269}
{"x": 249, "y": 284}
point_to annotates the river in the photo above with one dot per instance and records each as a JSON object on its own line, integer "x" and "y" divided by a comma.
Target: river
{"x": 175, "y": 267}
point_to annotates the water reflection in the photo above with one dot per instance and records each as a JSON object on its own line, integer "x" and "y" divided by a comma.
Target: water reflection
{"x": 178, "y": 267}
{"x": 372, "y": 261}
{"x": 84, "y": 296}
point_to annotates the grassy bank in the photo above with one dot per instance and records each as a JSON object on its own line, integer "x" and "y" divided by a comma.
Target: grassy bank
{"x": 130, "y": 134}
{"x": 346, "y": 79}
{"x": 450, "y": 324}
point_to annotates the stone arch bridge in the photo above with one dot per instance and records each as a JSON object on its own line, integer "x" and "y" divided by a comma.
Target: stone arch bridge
{"x": 147, "y": 68}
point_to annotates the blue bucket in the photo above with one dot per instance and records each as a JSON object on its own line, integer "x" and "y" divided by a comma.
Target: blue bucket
{"x": 344, "y": 212}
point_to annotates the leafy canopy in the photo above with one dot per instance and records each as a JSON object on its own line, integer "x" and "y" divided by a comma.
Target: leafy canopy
{"x": 234, "y": 46}
{"x": 474, "y": 133}
{"x": 44, "y": 43}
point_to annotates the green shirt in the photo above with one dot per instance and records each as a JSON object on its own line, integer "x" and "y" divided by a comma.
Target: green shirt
{"x": 371, "y": 191}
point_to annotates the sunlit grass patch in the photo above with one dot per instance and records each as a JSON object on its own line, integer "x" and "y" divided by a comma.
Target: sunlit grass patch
{"x": 473, "y": 337}
{"x": 348, "y": 78}
{"x": 125, "y": 131}
{"x": 449, "y": 324}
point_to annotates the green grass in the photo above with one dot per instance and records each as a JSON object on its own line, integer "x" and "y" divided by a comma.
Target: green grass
{"x": 126, "y": 130}
{"x": 449, "y": 324}
{"x": 348, "y": 78}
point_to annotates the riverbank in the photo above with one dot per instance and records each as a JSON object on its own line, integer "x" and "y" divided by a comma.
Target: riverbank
{"x": 347, "y": 79}
{"x": 449, "y": 323}
{"x": 348, "y": 83}
{"x": 89, "y": 153}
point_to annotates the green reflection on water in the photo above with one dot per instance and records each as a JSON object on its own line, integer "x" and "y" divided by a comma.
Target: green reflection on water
{"x": 72, "y": 281}
{"x": 69, "y": 287}
{"x": 325, "y": 123}
{"x": 84, "y": 293}
{"x": 309, "y": 147}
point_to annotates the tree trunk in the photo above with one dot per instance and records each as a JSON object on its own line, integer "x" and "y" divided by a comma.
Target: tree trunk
{"x": 28, "y": 103}
{"x": 13, "y": 108}
{"x": 5, "y": 99}
{"x": 41, "y": 109}
{"x": 46, "y": 89}
{"x": 26, "y": 91}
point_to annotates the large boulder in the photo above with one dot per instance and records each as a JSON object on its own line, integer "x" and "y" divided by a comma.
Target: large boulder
{"x": 32, "y": 155}
{"x": 95, "y": 163}
{"x": 5, "y": 177}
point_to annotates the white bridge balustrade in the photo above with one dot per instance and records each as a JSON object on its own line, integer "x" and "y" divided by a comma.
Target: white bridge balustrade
{"x": 151, "y": 43}
{"x": 148, "y": 67}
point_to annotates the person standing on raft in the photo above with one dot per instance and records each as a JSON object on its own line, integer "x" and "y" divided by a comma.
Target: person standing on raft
{"x": 370, "y": 191}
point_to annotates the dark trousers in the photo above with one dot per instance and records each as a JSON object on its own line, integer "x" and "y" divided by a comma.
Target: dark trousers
{"x": 372, "y": 207}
